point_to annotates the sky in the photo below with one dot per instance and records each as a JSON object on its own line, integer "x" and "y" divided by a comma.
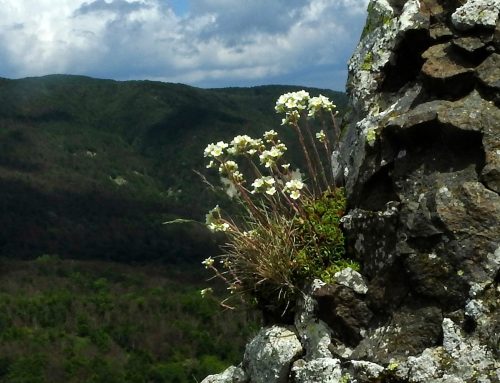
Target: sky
{"x": 204, "y": 43}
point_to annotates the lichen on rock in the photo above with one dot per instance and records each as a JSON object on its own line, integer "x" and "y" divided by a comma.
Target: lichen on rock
{"x": 482, "y": 13}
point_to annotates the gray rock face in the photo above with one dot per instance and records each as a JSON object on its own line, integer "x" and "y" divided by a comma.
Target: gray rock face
{"x": 476, "y": 13}
{"x": 324, "y": 370}
{"x": 351, "y": 278}
{"x": 421, "y": 163}
{"x": 269, "y": 356}
{"x": 230, "y": 375}
{"x": 420, "y": 160}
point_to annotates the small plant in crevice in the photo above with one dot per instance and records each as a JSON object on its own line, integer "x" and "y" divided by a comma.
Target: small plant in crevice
{"x": 288, "y": 232}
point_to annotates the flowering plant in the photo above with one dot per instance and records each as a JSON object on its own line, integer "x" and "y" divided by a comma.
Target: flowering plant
{"x": 290, "y": 231}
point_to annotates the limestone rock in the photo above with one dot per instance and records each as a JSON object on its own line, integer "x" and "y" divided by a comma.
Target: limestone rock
{"x": 352, "y": 279}
{"x": 314, "y": 334}
{"x": 366, "y": 371}
{"x": 268, "y": 357}
{"x": 482, "y": 13}
{"x": 324, "y": 370}
{"x": 230, "y": 375}
{"x": 460, "y": 359}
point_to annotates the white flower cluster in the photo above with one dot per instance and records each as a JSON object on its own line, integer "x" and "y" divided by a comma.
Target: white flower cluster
{"x": 293, "y": 187}
{"x": 215, "y": 150}
{"x": 206, "y": 292}
{"x": 264, "y": 185}
{"x": 316, "y": 104}
{"x": 209, "y": 262}
{"x": 244, "y": 144}
{"x": 321, "y": 136}
{"x": 230, "y": 168}
{"x": 269, "y": 157}
{"x": 293, "y": 103}
{"x": 214, "y": 221}
{"x": 270, "y": 136}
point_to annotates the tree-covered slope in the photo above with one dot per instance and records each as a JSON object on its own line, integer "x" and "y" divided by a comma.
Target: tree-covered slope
{"x": 91, "y": 168}
{"x": 66, "y": 321}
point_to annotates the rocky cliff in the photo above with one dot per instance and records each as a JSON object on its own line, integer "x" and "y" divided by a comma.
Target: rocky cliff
{"x": 420, "y": 159}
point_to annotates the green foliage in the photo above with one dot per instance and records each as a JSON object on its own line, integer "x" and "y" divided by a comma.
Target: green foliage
{"x": 320, "y": 239}
{"x": 103, "y": 322}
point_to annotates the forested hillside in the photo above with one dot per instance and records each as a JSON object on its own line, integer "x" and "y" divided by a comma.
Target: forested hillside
{"x": 65, "y": 321}
{"x": 91, "y": 168}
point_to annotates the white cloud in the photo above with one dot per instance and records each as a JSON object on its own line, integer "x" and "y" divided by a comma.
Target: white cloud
{"x": 216, "y": 43}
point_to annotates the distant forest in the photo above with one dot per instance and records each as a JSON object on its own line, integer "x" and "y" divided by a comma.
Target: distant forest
{"x": 90, "y": 169}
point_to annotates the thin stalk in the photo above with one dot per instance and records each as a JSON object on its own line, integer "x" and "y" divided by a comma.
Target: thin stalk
{"x": 306, "y": 154}
{"x": 336, "y": 129}
{"x": 254, "y": 167}
{"x": 244, "y": 194}
{"x": 318, "y": 159}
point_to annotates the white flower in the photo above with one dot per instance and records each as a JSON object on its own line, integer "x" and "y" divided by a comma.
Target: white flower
{"x": 294, "y": 185}
{"x": 215, "y": 150}
{"x": 206, "y": 292}
{"x": 258, "y": 183}
{"x": 285, "y": 166}
{"x": 271, "y": 190}
{"x": 319, "y": 103}
{"x": 321, "y": 136}
{"x": 270, "y": 136}
{"x": 243, "y": 144}
{"x": 291, "y": 118}
{"x": 214, "y": 221}
{"x": 269, "y": 157}
{"x": 264, "y": 185}
{"x": 209, "y": 262}
{"x": 292, "y": 101}
{"x": 293, "y": 188}
{"x": 214, "y": 226}
{"x": 228, "y": 167}
{"x": 237, "y": 176}
{"x": 295, "y": 194}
